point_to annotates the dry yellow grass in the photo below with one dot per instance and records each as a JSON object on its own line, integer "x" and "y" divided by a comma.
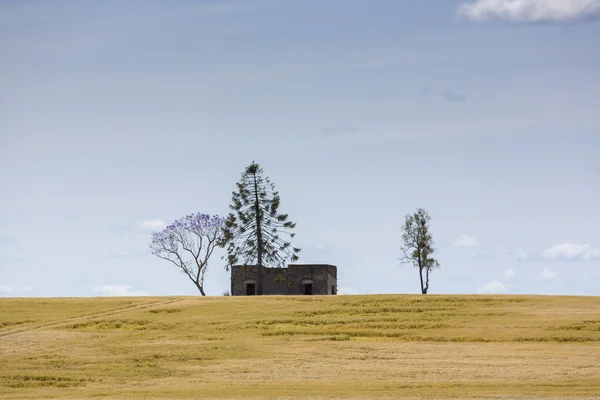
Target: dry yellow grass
{"x": 336, "y": 347}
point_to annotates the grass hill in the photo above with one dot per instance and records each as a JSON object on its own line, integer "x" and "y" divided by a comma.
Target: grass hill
{"x": 351, "y": 347}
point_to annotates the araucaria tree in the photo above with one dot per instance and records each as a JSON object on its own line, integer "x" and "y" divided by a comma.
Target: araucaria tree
{"x": 251, "y": 233}
{"x": 417, "y": 246}
{"x": 188, "y": 243}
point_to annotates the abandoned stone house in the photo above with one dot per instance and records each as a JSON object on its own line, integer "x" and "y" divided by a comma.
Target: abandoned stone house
{"x": 296, "y": 279}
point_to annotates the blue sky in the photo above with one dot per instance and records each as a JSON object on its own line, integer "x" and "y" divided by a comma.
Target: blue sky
{"x": 117, "y": 117}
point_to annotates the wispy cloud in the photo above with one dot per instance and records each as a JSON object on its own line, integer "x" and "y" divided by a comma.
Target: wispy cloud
{"x": 547, "y": 275}
{"x": 346, "y": 290}
{"x": 422, "y": 92}
{"x": 453, "y": 97}
{"x": 236, "y": 6}
{"x": 151, "y": 225}
{"x": 6, "y": 289}
{"x": 316, "y": 252}
{"x": 384, "y": 96}
{"x": 141, "y": 226}
{"x": 339, "y": 130}
{"x": 7, "y": 240}
{"x": 466, "y": 241}
{"x": 14, "y": 291}
{"x": 494, "y": 287}
{"x": 499, "y": 286}
{"x": 509, "y": 274}
{"x": 531, "y": 11}
{"x": 118, "y": 290}
{"x": 571, "y": 252}
{"x": 520, "y": 255}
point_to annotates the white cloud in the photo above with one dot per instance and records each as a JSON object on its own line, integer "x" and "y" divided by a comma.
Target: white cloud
{"x": 151, "y": 225}
{"x": 346, "y": 290}
{"x": 6, "y": 289}
{"x": 520, "y": 255}
{"x": 494, "y": 287}
{"x": 531, "y": 10}
{"x": 453, "y": 97}
{"x": 7, "y": 240}
{"x": 509, "y": 274}
{"x": 117, "y": 290}
{"x": 14, "y": 291}
{"x": 547, "y": 275}
{"x": 465, "y": 241}
{"x": 570, "y": 252}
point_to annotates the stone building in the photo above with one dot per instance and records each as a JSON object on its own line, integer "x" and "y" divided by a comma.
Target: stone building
{"x": 296, "y": 279}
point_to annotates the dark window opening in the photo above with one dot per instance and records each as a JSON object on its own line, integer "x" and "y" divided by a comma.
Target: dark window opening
{"x": 308, "y": 288}
{"x": 250, "y": 289}
{"x": 332, "y": 289}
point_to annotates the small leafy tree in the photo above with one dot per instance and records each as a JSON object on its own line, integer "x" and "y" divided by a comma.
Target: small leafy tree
{"x": 251, "y": 232}
{"x": 417, "y": 246}
{"x": 188, "y": 243}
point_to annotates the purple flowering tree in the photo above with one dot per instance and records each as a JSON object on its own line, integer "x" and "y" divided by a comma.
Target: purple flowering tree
{"x": 188, "y": 243}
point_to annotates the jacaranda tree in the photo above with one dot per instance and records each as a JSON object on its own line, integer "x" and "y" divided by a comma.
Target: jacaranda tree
{"x": 188, "y": 243}
{"x": 251, "y": 233}
{"x": 417, "y": 246}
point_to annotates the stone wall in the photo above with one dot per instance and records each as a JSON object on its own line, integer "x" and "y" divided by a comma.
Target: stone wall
{"x": 296, "y": 279}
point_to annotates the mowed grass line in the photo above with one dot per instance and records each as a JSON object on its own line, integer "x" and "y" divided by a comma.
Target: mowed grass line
{"x": 21, "y": 325}
{"x": 330, "y": 347}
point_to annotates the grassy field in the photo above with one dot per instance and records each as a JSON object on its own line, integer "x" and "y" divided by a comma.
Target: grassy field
{"x": 338, "y": 347}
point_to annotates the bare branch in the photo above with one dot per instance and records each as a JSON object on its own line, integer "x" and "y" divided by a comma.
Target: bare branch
{"x": 195, "y": 235}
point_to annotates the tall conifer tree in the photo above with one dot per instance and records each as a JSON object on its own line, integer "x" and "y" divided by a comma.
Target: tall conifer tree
{"x": 251, "y": 232}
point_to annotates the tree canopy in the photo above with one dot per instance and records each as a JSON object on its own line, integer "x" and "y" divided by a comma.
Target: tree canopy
{"x": 252, "y": 231}
{"x": 417, "y": 246}
{"x": 188, "y": 244}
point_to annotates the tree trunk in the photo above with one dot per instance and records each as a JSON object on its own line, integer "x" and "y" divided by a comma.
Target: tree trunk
{"x": 423, "y": 288}
{"x": 259, "y": 241}
{"x": 200, "y": 288}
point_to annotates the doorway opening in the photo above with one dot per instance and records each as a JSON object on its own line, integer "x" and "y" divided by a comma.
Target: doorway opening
{"x": 308, "y": 288}
{"x": 250, "y": 289}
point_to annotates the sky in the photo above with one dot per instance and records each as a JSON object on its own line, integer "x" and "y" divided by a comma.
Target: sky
{"x": 118, "y": 117}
